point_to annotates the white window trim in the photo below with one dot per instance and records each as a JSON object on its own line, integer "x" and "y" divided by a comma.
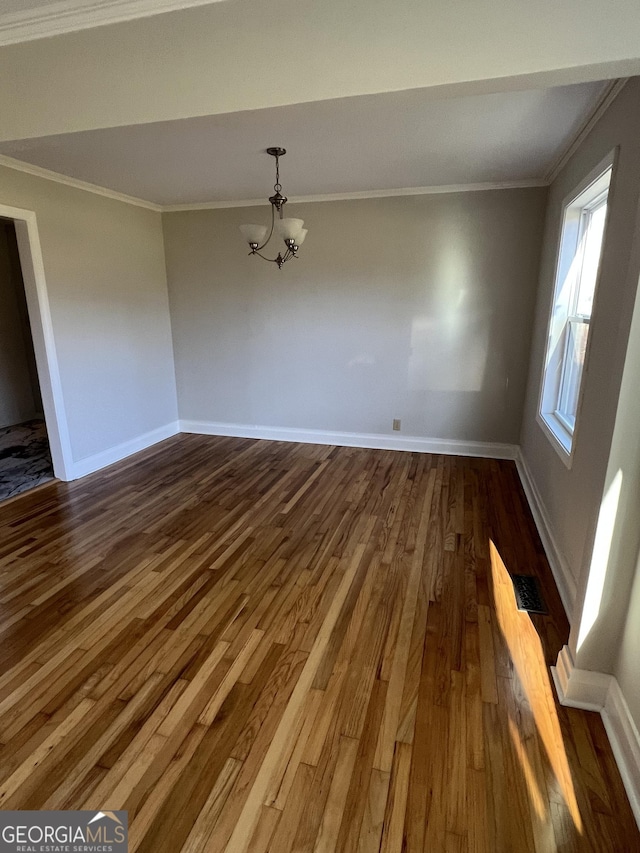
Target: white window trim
{"x": 561, "y": 439}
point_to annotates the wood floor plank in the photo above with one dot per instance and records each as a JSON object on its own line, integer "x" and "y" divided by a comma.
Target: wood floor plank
{"x": 265, "y": 647}
{"x": 247, "y": 820}
{"x": 327, "y": 838}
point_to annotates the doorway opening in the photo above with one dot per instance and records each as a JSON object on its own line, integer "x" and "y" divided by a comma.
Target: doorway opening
{"x": 25, "y": 458}
{"x": 34, "y": 440}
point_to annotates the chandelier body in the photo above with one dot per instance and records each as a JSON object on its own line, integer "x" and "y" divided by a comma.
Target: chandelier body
{"x": 290, "y": 230}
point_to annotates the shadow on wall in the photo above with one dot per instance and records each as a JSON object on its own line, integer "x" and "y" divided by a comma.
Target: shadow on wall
{"x": 471, "y": 337}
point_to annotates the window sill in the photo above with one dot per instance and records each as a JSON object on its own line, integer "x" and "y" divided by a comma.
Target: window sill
{"x": 560, "y": 438}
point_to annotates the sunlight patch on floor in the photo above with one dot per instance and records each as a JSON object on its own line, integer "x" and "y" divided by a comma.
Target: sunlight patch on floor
{"x": 530, "y": 667}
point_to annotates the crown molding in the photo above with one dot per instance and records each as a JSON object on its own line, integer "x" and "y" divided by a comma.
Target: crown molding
{"x": 66, "y": 16}
{"x": 603, "y": 103}
{"x": 57, "y": 177}
{"x": 354, "y": 196}
{"x": 48, "y": 175}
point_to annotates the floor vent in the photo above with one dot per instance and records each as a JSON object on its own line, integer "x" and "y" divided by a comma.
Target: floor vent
{"x": 528, "y": 595}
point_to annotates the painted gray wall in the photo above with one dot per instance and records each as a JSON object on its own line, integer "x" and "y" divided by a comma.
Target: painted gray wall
{"x": 416, "y": 308}
{"x": 106, "y": 281}
{"x": 19, "y": 393}
{"x": 572, "y": 498}
{"x": 626, "y": 668}
{"x": 621, "y": 605}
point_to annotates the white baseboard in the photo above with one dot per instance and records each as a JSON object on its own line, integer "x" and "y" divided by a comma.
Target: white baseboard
{"x": 579, "y": 688}
{"x": 625, "y": 743}
{"x": 90, "y": 464}
{"x": 597, "y": 691}
{"x": 561, "y": 572}
{"x": 417, "y": 444}
{"x": 374, "y": 441}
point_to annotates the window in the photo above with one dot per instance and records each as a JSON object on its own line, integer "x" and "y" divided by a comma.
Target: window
{"x": 581, "y": 240}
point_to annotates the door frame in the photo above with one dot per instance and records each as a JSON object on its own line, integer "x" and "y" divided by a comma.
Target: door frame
{"x": 35, "y": 287}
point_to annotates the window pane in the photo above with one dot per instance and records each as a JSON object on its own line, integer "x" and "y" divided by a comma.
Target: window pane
{"x": 576, "y": 344}
{"x": 592, "y": 246}
{"x": 581, "y": 238}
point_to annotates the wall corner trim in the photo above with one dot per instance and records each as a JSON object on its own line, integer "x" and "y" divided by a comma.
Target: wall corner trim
{"x": 374, "y": 441}
{"x": 90, "y": 464}
{"x": 597, "y": 691}
{"x": 579, "y": 688}
{"x": 559, "y": 566}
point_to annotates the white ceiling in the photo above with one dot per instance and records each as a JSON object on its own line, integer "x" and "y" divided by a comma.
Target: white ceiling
{"x": 237, "y": 55}
{"x": 378, "y": 142}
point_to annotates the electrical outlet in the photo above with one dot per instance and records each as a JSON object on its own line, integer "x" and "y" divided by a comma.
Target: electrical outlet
{"x": 396, "y": 423}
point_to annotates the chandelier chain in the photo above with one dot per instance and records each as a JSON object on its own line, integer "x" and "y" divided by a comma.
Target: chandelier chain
{"x": 277, "y": 186}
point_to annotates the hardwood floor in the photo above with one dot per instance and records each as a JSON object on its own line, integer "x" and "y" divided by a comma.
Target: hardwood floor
{"x": 257, "y": 646}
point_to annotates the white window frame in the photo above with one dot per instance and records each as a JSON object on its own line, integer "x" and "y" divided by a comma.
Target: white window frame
{"x": 557, "y": 429}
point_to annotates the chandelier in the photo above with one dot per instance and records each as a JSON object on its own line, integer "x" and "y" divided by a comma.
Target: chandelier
{"x": 290, "y": 230}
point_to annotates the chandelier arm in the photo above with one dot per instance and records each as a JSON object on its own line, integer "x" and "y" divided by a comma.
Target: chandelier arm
{"x": 270, "y": 232}
{"x": 264, "y": 258}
